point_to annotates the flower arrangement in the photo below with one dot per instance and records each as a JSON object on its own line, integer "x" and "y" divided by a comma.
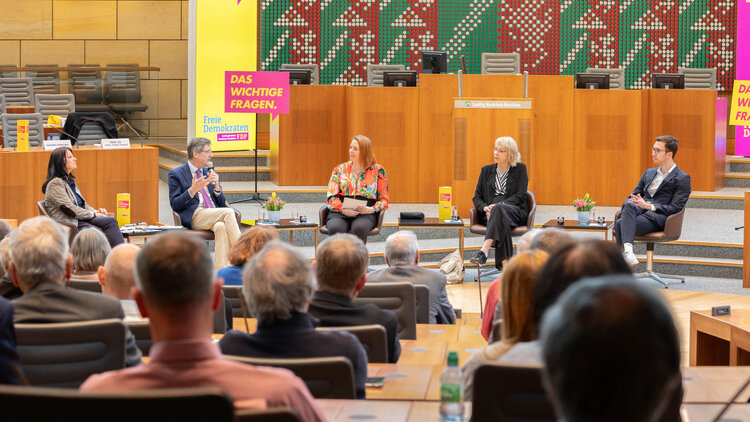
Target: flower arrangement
{"x": 273, "y": 203}
{"x": 584, "y": 204}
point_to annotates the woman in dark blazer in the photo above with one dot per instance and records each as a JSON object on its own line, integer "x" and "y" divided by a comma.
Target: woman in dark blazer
{"x": 500, "y": 200}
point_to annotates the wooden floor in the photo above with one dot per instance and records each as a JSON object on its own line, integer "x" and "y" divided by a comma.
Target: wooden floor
{"x": 466, "y": 297}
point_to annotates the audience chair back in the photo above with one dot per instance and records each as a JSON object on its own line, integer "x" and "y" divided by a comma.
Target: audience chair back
{"x": 699, "y": 78}
{"x": 510, "y": 393}
{"x": 84, "y": 285}
{"x": 220, "y": 317}
{"x": 86, "y": 85}
{"x": 616, "y": 76}
{"x": 65, "y": 354}
{"x": 277, "y": 414}
{"x": 54, "y": 404}
{"x": 373, "y": 338}
{"x": 58, "y": 104}
{"x": 72, "y": 228}
{"x": 91, "y": 133}
{"x": 44, "y": 81}
{"x": 2, "y": 104}
{"x": 6, "y": 72}
{"x": 422, "y": 296}
{"x": 10, "y": 128}
{"x": 323, "y": 215}
{"x": 142, "y": 333}
{"x": 326, "y": 378}
{"x": 477, "y": 228}
{"x": 124, "y": 89}
{"x": 497, "y": 331}
{"x": 236, "y": 299}
{"x": 501, "y": 64}
{"x": 17, "y": 91}
{"x": 375, "y": 72}
{"x": 397, "y": 297}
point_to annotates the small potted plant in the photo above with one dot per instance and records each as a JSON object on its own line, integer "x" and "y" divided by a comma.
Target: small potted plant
{"x": 584, "y": 206}
{"x": 274, "y": 206}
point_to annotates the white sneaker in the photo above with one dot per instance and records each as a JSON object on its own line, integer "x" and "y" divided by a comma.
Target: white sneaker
{"x": 630, "y": 258}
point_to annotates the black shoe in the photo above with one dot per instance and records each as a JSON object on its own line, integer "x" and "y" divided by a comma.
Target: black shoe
{"x": 479, "y": 258}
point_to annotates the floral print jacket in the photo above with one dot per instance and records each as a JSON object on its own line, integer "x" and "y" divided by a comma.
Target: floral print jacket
{"x": 371, "y": 184}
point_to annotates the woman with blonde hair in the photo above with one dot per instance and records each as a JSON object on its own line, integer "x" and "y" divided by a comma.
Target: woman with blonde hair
{"x": 519, "y": 281}
{"x": 250, "y": 243}
{"x": 500, "y": 200}
{"x": 360, "y": 178}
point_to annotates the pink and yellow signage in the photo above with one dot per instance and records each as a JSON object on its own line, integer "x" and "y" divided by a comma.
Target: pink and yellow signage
{"x": 256, "y": 92}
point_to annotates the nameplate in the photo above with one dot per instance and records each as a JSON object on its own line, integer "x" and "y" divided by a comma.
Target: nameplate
{"x": 53, "y": 144}
{"x": 116, "y": 143}
{"x": 493, "y": 104}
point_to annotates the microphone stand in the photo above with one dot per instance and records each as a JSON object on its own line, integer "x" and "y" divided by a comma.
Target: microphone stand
{"x": 255, "y": 196}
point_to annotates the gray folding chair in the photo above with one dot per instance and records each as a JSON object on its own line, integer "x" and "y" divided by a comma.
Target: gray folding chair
{"x": 616, "y": 76}
{"x": 57, "y": 104}
{"x": 422, "y": 296}
{"x": 142, "y": 334}
{"x": 699, "y": 78}
{"x": 86, "y": 86}
{"x": 91, "y": 133}
{"x": 54, "y": 404}
{"x": 44, "y": 81}
{"x": 65, "y": 354}
{"x": 326, "y": 378}
{"x": 2, "y": 104}
{"x": 501, "y": 64}
{"x": 510, "y": 393}
{"x": 124, "y": 95}
{"x": 373, "y": 338}
{"x": 10, "y": 128}
{"x": 17, "y": 91}
{"x": 375, "y": 72}
{"x": 398, "y": 297}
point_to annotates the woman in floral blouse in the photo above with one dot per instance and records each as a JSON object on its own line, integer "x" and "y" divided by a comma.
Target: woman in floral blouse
{"x": 361, "y": 178}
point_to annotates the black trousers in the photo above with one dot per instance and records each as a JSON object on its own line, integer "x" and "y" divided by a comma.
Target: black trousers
{"x": 634, "y": 222}
{"x": 106, "y": 224}
{"x": 358, "y": 226}
{"x": 502, "y": 220}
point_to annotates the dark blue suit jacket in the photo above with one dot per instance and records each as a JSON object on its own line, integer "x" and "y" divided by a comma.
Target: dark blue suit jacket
{"x": 180, "y": 180}
{"x": 8, "y": 356}
{"x": 670, "y": 198}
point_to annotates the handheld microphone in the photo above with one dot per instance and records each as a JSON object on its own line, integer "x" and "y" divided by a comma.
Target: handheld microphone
{"x": 209, "y": 167}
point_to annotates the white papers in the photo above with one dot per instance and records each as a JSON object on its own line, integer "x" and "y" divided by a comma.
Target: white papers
{"x": 352, "y": 203}
{"x": 50, "y": 145}
{"x": 116, "y": 143}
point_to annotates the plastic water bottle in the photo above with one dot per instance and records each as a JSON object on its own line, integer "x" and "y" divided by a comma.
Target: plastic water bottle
{"x": 451, "y": 391}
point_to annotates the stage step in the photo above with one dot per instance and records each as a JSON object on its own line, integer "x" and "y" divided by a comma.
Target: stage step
{"x": 226, "y": 173}
{"x": 738, "y": 164}
{"x": 221, "y": 159}
{"x": 729, "y": 198}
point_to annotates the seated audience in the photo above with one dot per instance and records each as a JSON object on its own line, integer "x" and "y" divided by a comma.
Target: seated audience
{"x": 547, "y": 240}
{"x": 7, "y": 289}
{"x": 517, "y": 293}
{"x": 89, "y": 249}
{"x": 341, "y": 270}
{"x": 251, "y": 241}
{"x": 279, "y": 284}
{"x": 9, "y": 370}
{"x": 593, "y": 368}
{"x": 175, "y": 289}
{"x": 5, "y": 229}
{"x": 570, "y": 263}
{"x": 117, "y": 278}
{"x": 39, "y": 266}
{"x": 402, "y": 257}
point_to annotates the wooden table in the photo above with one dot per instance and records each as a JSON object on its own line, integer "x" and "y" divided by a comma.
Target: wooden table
{"x": 436, "y": 223}
{"x": 574, "y": 226}
{"x": 720, "y": 340}
{"x": 287, "y": 224}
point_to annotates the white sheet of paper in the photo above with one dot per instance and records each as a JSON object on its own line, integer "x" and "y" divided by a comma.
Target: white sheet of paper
{"x": 352, "y": 203}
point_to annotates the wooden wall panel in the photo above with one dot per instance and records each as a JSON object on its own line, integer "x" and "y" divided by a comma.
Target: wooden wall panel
{"x": 161, "y": 20}
{"x": 389, "y": 117}
{"x": 170, "y": 127}
{"x": 185, "y": 10}
{"x": 78, "y": 19}
{"x": 183, "y": 99}
{"x": 150, "y": 96}
{"x": 118, "y": 52}
{"x": 435, "y": 135}
{"x": 607, "y": 148}
{"x": 10, "y": 52}
{"x": 688, "y": 115}
{"x": 169, "y": 99}
{"x": 171, "y": 57}
{"x": 52, "y": 52}
{"x": 26, "y": 19}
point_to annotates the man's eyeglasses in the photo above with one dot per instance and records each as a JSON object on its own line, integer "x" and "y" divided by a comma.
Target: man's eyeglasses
{"x": 657, "y": 150}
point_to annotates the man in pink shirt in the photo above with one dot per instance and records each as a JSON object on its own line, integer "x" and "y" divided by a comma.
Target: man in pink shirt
{"x": 176, "y": 291}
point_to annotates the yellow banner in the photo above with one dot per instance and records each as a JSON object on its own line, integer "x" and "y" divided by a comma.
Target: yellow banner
{"x": 226, "y": 39}
{"x": 445, "y": 200}
{"x": 739, "y": 114}
{"x": 22, "y": 135}
{"x": 123, "y": 209}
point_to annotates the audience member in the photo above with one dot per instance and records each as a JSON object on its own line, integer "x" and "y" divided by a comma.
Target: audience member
{"x": 341, "y": 270}
{"x": 279, "y": 284}
{"x": 175, "y": 289}
{"x": 117, "y": 277}
{"x": 5, "y": 229}
{"x": 39, "y": 265}
{"x": 570, "y": 263}
{"x": 89, "y": 249}
{"x": 517, "y": 293}
{"x": 593, "y": 368}
{"x": 250, "y": 243}
{"x": 402, "y": 257}
{"x": 9, "y": 370}
{"x": 546, "y": 240}
{"x": 7, "y": 289}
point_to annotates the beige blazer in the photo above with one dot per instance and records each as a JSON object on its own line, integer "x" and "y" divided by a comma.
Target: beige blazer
{"x": 59, "y": 193}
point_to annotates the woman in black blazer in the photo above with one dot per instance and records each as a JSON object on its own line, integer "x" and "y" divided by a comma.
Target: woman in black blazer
{"x": 500, "y": 200}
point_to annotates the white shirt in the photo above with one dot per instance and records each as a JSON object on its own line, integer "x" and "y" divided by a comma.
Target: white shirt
{"x": 132, "y": 314}
{"x": 654, "y": 186}
{"x": 193, "y": 169}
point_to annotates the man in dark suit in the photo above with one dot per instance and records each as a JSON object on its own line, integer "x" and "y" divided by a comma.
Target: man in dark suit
{"x": 341, "y": 270}
{"x": 661, "y": 192}
{"x": 39, "y": 266}
{"x": 8, "y": 357}
{"x": 196, "y": 195}
{"x": 402, "y": 257}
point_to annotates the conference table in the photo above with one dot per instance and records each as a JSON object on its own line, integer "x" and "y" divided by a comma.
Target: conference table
{"x": 720, "y": 340}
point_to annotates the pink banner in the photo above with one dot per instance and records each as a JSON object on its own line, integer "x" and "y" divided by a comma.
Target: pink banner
{"x": 742, "y": 133}
{"x": 256, "y": 92}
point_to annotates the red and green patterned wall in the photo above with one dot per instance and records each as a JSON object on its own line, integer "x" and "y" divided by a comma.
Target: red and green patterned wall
{"x": 552, "y": 36}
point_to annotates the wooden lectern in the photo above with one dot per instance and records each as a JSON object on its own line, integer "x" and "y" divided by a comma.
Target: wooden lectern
{"x": 477, "y": 122}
